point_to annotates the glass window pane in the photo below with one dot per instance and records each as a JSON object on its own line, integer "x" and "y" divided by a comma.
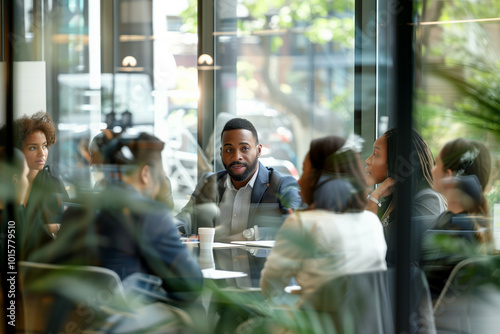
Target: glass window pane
{"x": 457, "y": 93}
{"x": 288, "y": 67}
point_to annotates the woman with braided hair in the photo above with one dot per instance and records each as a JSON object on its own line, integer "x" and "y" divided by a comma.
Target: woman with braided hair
{"x": 385, "y": 169}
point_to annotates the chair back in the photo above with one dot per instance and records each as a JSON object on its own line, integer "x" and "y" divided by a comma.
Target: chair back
{"x": 470, "y": 300}
{"x": 365, "y": 303}
{"x": 61, "y": 298}
{"x": 357, "y": 303}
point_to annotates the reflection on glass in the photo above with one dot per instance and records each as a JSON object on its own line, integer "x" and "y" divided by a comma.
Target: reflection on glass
{"x": 288, "y": 67}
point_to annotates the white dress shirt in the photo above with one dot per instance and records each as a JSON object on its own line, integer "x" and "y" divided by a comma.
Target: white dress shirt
{"x": 235, "y": 205}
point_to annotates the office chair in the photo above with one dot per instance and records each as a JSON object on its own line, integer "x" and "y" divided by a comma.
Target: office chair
{"x": 60, "y": 298}
{"x": 470, "y": 300}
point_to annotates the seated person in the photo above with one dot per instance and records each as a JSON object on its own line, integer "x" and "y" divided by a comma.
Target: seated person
{"x": 244, "y": 195}
{"x": 33, "y": 136}
{"x": 129, "y": 231}
{"x": 30, "y": 234}
{"x": 335, "y": 236}
{"x": 461, "y": 175}
{"x": 382, "y": 169}
{"x": 13, "y": 179}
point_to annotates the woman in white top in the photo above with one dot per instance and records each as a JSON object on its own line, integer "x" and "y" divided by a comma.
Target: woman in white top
{"x": 335, "y": 236}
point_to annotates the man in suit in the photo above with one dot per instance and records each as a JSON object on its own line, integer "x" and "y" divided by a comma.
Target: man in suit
{"x": 252, "y": 195}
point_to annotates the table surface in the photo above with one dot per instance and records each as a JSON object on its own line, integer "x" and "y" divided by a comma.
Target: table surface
{"x": 234, "y": 260}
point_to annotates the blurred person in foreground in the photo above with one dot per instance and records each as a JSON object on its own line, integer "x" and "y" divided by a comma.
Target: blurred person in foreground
{"x": 385, "y": 170}
{"x": 461, "y": 174}
{"x": 244, "y": 195}
{"x": 124, "y": 229}
{"x": 13, "y": 187}
{"x": 27, "y": 235}
{"x": 335, "y": 236}
{"x": 33, "y": 136}
{"x": 99, "y": 167}
{"x": 14, "y": 179}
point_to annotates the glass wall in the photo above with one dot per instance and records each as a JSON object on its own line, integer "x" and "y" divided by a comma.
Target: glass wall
{"x": 129, "y": 65}
{"x": 298, "y": 70}
{"x": 287, "y": 66}
{"x": 456, "y": 77}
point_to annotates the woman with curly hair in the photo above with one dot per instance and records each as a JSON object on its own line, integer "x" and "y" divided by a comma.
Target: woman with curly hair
{"x": 33, "y": 136}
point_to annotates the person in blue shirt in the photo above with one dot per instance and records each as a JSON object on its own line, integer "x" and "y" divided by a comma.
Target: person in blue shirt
{"x": 123, "y": 228}
{"x": 137, "y": 232}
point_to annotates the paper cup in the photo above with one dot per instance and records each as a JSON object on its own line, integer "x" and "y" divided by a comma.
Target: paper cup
{"x": 206, "y": 235}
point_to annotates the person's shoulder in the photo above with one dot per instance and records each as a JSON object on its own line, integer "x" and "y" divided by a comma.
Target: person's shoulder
{"x": 426, "y": 193}
{"x": 120, "y": 194}
{"x": 157, "y": 219}
{"x": 44, "y": 176}
{"x": 274, "y": 175}
{"x": 284, "y": 185}
{"x": 367, "y": 217}
{"x": 46, "y": 182}
{"x": 311, "y": 218}
{"x": 365, "y": 214}
{"x": 207, "y": 187}
{"x": 211, "y": 177}
{"x": 152, "y": 206}
{"x": 429, "y": 202}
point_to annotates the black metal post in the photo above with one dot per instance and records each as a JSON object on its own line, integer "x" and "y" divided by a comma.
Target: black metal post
{"x": 403, "y": 90}
{"x": 206, "y": 75}
{"x": 8, "y": 10}
{"x": 365, "y": 71}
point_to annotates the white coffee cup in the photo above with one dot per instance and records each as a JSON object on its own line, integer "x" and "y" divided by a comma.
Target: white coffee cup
{"x": 206, "y": 235}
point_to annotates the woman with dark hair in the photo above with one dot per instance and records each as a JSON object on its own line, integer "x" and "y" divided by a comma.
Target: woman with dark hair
{"x": 463, "y": 165}
{"x": 33, "y": 136}
{"x": 382, "y": 169}
{"x": 335, "y": 236}
{"x": 461, "y": 175}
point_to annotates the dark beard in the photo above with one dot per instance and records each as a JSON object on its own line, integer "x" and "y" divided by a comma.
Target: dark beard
{"x": 242, "y": 177}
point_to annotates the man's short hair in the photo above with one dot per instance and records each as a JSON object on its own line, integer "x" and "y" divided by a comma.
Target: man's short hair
{"x": 133, "y": 150}
{"x": 240, "y": 123}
